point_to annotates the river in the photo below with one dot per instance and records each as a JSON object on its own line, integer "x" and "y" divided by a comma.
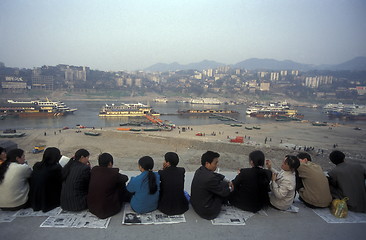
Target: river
{"x": 87, "y": 115}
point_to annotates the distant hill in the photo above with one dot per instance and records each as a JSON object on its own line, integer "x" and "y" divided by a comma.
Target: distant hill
{"x": 271, "y": 64}
{"x": 358, "y": 64}
{"x": 164, "y": 67}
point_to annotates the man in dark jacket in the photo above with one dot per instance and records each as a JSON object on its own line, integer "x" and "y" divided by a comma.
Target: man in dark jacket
{"x": 107, "y": 188}
{"x": 172, "y": 200}
{"x": 209, "y": 189}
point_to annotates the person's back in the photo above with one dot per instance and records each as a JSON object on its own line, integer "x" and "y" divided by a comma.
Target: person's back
{"x": 46, "y": 181}
{"x": 348, "y": 180}
{"x": 76, "y": 176}
{"x": 45, "y": 187}
{"x": 208, "y": 189}
{"x": 172, "y": 200}
{"x": 106, "y": 188}
{"x": 105, "y": 191}
{"x": 145, "y": 187}
{"x": 251, "y": 187}
{"x": 315, "y": 190}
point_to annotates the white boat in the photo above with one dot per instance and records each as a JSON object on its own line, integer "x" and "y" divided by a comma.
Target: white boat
{"x": 126, "y": 110}
{"x": 207, "y": 101}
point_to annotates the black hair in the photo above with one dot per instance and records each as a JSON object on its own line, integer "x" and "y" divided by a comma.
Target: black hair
{"x": 11, "y": 157}
{"x": 147, "y": 163}
{"x": 337, "y": 157}
{"x": 209, "y": 156}
{"x": 172, "y": 158}
{"x": 257, "y": 157}
{"x": 293, "y": 162}
{"x": 79, "y": 153}
{"x": 2, "y": 150}
{"x": 51, "y": 156}
{"x": 303, "y": 155}
{"x": 104, "y": 159}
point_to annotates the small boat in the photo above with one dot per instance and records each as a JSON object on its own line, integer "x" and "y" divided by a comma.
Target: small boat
{"x": 92, "y": 133}
{"x": 248, "y": 128}
{"x": 257, "y": 128}
{"x": 123, "y": 129}
{"x": 135, "y": 129}
{"x": 151, "y": 129}
{"x": 357, "y": 128}
{"x": 319, "y": 123}
{"x": 11, "y": 135}
{"x": 235, "y": 125}
{"x": 38, "y": 148}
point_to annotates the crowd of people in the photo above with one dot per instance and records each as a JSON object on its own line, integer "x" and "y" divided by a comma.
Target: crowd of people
{"x": 74, "y": 185}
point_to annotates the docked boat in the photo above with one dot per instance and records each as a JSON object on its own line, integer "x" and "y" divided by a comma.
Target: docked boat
{"x": 34, "y": 108}
{"x": 206, "y": 112}
{"x": 92, "y": 133}
{"x": 127, "y": 110}
{"x": 281, "y": 111}
{"x": 12, "y": 135}
{"x": 347, "y": 111}
{"x": 206, "y": 101}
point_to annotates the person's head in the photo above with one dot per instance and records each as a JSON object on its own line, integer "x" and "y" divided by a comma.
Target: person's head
{"x": 171, "y": 158}
{"x": 146, "y": 163}
{"x": 51, "y": 156}
{"x": 291, "y": 163}
{"x": 256, "y": 158}
{"x": 336, "y": 157}
{"x": 210, "y": 160}
{"x": 304, "y": 157}
{"x": 105, "y": 160}
{"x": 82, "y": 156}
{"x": 16, "y": 155}
{"x": 2, "y": 154}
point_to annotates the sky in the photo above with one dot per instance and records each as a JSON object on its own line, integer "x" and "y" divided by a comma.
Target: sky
{"x": 135, "y": 34}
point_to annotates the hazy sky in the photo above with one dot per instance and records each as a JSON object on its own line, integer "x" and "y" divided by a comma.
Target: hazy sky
{"x": 134, "y": 34}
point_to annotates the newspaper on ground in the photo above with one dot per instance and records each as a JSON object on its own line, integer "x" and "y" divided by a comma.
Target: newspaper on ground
{"x": 155, "y": 217}
{"x": 352, "y": 217}
{"x": 28, "y": 212}
{"x": 75, "y": 220}
{"x": 7, "y": 216}
{"x": 231, "y": 215}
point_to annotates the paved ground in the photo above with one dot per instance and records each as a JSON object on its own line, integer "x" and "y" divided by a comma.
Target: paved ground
{"x": 277, "y": 225}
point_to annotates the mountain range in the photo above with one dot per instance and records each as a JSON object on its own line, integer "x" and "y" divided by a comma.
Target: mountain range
{"x": 355, "y": 64}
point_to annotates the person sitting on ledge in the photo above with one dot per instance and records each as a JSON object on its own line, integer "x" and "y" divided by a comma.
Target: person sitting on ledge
{"x": 209, "y": 190}
{"x": 145, "y": 187}
{"x": 107, "y": 188}
{"x": 311, "y": 183}
{"x": 348, "y": 180}
{"x": 75, "y": 185}
{"x": 283, "y": 183}
{"x": 251, "y": 185}
{"x": 172, "y": 200}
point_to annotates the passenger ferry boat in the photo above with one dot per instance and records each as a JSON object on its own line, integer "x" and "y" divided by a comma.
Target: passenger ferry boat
{"x": 206, "y": 112}
{"x": 127, "y": 110}
{"x": 34, "y": 108}
{"x": 274, "y": 110}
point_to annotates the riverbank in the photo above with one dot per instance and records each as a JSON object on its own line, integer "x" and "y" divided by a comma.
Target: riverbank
{"x": 275, "y": 139}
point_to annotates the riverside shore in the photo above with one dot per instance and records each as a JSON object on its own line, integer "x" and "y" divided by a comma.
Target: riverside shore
{"x": 127, "y": 147}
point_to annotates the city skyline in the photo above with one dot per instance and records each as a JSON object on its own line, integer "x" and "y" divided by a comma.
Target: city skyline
{"x": 133, "y": 35}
